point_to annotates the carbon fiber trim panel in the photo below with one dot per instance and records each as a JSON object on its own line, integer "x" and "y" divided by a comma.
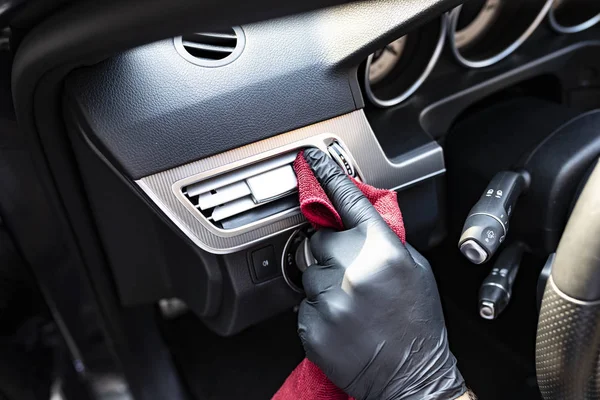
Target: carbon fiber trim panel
{"x": 567, "y": 347}
{"x": 351, "y": 130}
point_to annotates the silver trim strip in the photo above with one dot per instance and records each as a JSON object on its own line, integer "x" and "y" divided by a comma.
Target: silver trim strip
{"x": 486, "y": 305}
{"x": 282, "y": 264}
{"x": 453, "y": 20}
{"x": 571, "y": 29}
{"x": 413, "y": 88}
{"x": 352, "y": 131}
{"x": 498, "y": 286}
{"x": 492, "y": 216}
{"x": 569, "y": 298}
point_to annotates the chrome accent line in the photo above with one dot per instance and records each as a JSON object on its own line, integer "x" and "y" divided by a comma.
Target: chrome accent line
{"x": 421, "y": 179}
{"x": 453, "y": 21}
{"x": 413, "y": 88}
{"x": 429, "y": 150}
{"x": 469, "y": 246}
{"x": 569, "y": 298}
{"x": 492, "y": 216}
{"x": 283, "y": 270}
{"x": 486, "y": 305}
{"x": 554, "y": 24}
{"x": 498, "y": 286}
{"x": 352, "y": 131}
{"x": 216, "y": 35}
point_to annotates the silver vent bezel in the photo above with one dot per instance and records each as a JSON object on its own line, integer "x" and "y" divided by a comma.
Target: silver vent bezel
{"x": 321, "y": 141}
{"x": 205, "y": 62}
{"x": 351, "y": 130}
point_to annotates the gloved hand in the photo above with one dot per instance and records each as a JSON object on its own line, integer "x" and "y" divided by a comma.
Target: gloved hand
{"x": 372, "y": 318}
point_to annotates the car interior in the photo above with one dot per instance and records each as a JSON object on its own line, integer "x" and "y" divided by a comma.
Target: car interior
{"x": 151, "y": 239}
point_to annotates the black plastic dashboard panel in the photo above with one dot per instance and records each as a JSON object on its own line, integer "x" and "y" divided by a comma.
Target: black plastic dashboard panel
{"x": 293, "y": 72}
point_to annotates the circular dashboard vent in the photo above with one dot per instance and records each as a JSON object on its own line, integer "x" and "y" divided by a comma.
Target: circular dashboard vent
{"x": 211, "y": 49}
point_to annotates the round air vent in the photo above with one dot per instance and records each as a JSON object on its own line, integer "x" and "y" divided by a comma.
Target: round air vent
{"x": 211, "y": 49}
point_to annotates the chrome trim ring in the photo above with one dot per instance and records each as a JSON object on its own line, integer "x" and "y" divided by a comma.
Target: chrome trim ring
{"x": 413, "y": 88}
{"x": 571, "y": 29}
{"x": 237, "y": 51}
{"x": 498, "y": 286}
{"x": 453, "y": 21}
{"x": 286, "y": 278}
{"x": 491, "y": 216}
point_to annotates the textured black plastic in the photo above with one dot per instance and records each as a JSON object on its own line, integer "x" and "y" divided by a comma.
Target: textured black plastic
{"x": 149, "y": 109}
{"x": 557, "y": 166}
{"x": 245, "y": 302}
{"x": 567, "y": 348}
{"x": 148, "y": 259}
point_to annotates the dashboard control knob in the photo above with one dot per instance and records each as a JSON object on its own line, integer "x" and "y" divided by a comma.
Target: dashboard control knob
{"x": 340, "y": 156}
{"x": 304, "y": 257}
{"x": 297, "y": 257}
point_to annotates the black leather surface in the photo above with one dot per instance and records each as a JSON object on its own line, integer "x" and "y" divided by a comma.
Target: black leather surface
{"x": 149, "y": 109}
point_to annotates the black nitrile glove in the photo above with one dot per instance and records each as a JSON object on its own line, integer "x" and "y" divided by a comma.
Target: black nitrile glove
{"x": 372, "y": 320}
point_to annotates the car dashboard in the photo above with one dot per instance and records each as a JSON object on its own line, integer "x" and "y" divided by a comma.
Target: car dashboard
{"x": 185, "y": 145}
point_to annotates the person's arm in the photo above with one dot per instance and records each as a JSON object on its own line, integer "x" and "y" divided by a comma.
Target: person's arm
{"x": 372, "y": 318}
{"x": 469, "y": 395}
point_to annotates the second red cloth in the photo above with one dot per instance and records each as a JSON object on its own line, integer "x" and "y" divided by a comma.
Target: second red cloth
{"x": 307, "y": 381}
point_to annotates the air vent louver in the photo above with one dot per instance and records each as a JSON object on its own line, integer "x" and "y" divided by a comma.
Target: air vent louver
{"x": 247, "y": 195}
{"x": 211, "y": 49}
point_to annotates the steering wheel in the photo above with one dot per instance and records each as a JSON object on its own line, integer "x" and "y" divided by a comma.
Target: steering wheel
{"x": 568, "y": 336}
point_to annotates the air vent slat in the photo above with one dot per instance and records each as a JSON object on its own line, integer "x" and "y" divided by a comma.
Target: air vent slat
{"x": 223, "y": 195}
{"x": 286, "y": 204}
{"x": 273, "y": 184}
{"x": 208, "y": 47}
{"x": 246, "y": 194}
{"x": 233, "y": 208}
{"x": 216, "y": 35}
{"x": 211, "y": 49}
{"x": 239, "y": 175}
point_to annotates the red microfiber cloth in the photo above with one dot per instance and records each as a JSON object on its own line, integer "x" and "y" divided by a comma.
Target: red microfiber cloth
{"x": 307, "y": 381}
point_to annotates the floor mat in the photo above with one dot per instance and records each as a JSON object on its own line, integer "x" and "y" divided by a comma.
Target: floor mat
{"x": 251, "y": 365}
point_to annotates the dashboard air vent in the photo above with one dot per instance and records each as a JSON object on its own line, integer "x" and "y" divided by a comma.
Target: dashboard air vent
{"x": 247, "y": 195}
{"x": 211, "y": 49}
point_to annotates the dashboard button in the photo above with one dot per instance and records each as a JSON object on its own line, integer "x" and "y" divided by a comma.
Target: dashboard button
{"x": 264, "y": 263}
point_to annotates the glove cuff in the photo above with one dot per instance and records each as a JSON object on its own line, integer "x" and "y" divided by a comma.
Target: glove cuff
{"x": 446, "y": 384}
